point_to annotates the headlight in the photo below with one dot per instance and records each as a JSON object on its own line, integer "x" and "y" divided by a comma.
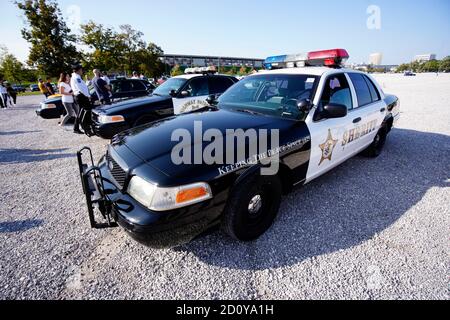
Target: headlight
{"x": 103, "y": 118}
{"x": 48, "y": 106}
{"x": 164, "y": 199}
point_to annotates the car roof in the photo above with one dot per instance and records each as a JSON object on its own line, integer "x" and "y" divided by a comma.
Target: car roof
{"x": 313, "y": 71}
{"x": 190, "y": 76}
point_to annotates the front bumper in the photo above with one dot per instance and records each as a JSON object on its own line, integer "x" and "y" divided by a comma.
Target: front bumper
{"x": 154, "y": 229}
{"x": 108, "y": 131}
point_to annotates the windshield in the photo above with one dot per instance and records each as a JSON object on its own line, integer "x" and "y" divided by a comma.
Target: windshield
{"x": 171, "y": 84}
{"x": 271, "y": 94}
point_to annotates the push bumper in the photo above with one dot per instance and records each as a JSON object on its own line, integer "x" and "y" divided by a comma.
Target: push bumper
{"x": 154, "y": 229}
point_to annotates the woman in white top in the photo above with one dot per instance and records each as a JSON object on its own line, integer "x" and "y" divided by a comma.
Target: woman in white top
{"x": 67, "y": 98}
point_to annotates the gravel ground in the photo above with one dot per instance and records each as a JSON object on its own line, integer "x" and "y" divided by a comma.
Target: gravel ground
{"x": 371, "y": 229}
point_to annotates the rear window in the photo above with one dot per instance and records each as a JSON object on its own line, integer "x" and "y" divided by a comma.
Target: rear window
{"x": 373, "y": 90}
{"x": 219, "y": 84}
{"x": 362, "y": 90}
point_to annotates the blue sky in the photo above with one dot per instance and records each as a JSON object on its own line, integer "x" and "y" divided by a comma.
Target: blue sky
{"x": 259, "y": 28}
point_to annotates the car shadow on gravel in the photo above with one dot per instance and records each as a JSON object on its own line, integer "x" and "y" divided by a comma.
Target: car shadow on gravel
{"x": 342, "y": 209}
{"x": 29, "y": 156}
{"x": 20, "y": 226}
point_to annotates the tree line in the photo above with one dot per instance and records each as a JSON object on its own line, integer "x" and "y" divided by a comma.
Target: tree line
{"x": 428, "y": 66}
{"x": 54, "y": 48}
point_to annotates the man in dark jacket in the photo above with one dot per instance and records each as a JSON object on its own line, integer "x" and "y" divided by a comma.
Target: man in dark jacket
{"x": 102, "y": 88}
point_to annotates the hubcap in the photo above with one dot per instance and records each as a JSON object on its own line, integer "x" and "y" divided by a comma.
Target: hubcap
{"x": 255, "y": 204}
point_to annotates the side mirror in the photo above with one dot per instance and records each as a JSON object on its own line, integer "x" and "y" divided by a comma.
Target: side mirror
{"x": 304, "y": 105}
{"x": 184, "y": 94}
{"x": 212, "y": 100}
{"x": 173, "y": 93}
{"x": 334, "y": 110}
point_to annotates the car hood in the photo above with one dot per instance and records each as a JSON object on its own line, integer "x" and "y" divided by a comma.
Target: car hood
{"x": 53, "y": 99}
{"x": 137, "y": 102}
{"x": 153, "y": 143}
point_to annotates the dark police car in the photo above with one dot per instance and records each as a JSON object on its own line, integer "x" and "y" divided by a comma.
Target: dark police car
{"x": 317, "y": 117}
{"x": 175, "y": 96}
{"x": 122, "y": 89}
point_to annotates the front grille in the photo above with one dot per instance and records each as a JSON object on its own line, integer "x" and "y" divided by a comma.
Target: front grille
{"x": 117, "y": 172}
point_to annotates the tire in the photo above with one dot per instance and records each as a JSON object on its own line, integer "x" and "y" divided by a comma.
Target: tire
{"x": 376, "y": 148}
{"x": 252, "y": 207}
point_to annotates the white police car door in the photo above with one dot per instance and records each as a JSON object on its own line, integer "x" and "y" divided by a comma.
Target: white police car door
{"x": 193, "y": 96}
{"x": 369, "y": 114}
{"x": 327, "y": 135}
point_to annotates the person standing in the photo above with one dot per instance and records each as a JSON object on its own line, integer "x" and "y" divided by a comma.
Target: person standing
{"x": 102, "y": 88}
{"x": 49, "y": 87}
{"x": 43, "y": 88}
{"x": 106, "y": 78}
{"x": 135, "y": 75}
{"x": 82, "y": 96}
{"x": 67, "y": 98}
{"x": 11, "y": 93}
{"x": 3, "y": 95}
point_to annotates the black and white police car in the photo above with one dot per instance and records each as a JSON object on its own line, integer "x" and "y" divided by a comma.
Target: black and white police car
{"x": 321, "y": 113}
{"x": 175, "y": 96}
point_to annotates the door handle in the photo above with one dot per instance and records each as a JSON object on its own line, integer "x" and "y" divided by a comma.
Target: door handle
{"x": 383, "y": 110}
{"x": 357, "y": 120}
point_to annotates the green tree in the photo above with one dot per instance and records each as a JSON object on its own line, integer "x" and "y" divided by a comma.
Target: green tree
{"x": 430, "y": 66}
{"x": 52, "y": 44}
{"x": 233, "y": 71}
{"x": 243, "y": 71}
{"x": 12, "y": 68}
{"x": 106, "y": 48}
{"x": 404, "y": 67}
{"x": 444, "y": 65}
{"x": 176, "y": 71}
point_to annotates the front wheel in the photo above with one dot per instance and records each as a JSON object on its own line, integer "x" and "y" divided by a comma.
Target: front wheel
{"x": 252, "y": 207}
{"x": 376, "y": 148}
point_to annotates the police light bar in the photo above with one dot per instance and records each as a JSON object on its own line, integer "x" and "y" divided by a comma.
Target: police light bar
{"x": 329, "y": 58}
{"x": 202, "y": 70}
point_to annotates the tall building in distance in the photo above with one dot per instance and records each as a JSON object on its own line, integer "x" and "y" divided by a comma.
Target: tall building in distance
{"x": 376, "y": 59}
{"x": 424, "y": 57}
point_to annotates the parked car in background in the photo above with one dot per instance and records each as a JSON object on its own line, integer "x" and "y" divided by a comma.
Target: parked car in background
{"x": 177, "y": 95}
{"x": 19, "y": 88}
{"x": 122, "y": 89}
{"x": 34, "y": 88}
{"x": 410, "y": 74}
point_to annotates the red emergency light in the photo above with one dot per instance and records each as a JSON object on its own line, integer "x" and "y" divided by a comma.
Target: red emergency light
{"x": 329, "y": 58}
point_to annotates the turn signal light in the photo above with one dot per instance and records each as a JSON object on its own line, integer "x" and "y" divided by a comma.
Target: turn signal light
{"x": 191, "y": 194}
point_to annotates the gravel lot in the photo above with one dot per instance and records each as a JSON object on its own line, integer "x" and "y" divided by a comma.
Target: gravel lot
{"x": 371, "y": 229}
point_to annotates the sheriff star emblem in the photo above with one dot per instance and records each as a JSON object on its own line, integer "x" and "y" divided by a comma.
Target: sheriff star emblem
{"x": 328, "y": 148}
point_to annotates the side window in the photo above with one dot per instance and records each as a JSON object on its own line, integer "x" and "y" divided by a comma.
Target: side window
{"x": 138, "y": 86}
{"x": 373, "y": 90}
{"x": 337, "y": 90}
{"x": 362, "y": 90}
{"x": 219, "y": 84}
{"x": 115, "y": 86}
{"x": 198, "y": 87}
{"x": 125, "y": 86}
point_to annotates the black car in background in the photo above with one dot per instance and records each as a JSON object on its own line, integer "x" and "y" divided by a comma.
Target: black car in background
{"x": 122, "y": 89}
{"x": 177, "y": 95}
{"x": 34, "y": 88}
{"x": 19, "y": 88}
